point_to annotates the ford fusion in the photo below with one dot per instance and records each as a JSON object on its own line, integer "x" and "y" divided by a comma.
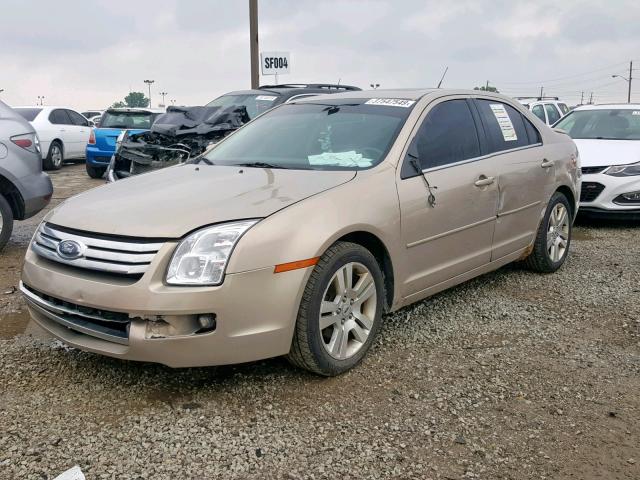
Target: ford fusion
{"x": 296, "y": 233}
{"x": 608, "y": 138}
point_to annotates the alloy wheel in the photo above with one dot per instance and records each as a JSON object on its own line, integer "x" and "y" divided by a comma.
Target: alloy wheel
{"x": 348, "y": 310}
{"x": 558, "y": 232}
{"x": 56, "y": 155}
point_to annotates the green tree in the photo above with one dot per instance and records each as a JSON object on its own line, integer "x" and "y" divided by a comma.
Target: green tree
{"x": 136, "y": 99}
{"x": 484, "y": 88}
{"x": 118, "y": 105}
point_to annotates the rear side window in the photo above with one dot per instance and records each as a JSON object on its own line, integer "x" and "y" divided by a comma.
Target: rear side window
{"x": 532, "y": 132}
{"x": 538, "y": 111}
{"x": 504, "y": 126}
{"x": 552, "y": 113}
{"x": 563, "y": 108}
{"x": 447, "y": 135}
{"x": 59, "y": 117}
{"x": 29, "y": 114}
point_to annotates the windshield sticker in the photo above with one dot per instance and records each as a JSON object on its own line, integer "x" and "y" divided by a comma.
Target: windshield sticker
{"x": 341, "y": 159}
{"x": 266, "y": 98}
{"x": 502, "y": 116}
{"x": 636, "y": 112}
{"x": 390, "y": 102}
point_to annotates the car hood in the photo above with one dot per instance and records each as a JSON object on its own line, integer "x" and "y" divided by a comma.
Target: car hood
{"x": 171, "y": 202}
{"x": 600, "y": 153}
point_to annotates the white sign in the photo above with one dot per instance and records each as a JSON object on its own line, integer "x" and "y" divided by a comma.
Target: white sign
{"x": 504, "y": 121}
{"x": 390, "y": 102}
{"x": 274, "y": 63}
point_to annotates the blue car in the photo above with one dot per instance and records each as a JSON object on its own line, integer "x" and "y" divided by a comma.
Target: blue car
{"x": 102, "y": 142}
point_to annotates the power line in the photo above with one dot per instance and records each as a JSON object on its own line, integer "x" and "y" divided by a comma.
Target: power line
{"x": 551, "y": 80}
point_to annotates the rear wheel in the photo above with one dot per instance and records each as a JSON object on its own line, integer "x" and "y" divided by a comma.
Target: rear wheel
{"x": 340, "y": 312}
{"x": 95, "y": 172}
{"x": 553, "y": 238}
{"x": 55, "y": 156}
{"x": 6, "y": 221}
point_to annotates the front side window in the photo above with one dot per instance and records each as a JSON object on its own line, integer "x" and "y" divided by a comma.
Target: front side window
{"x": 255, "y": 104}
{"x": 603, "y": 124}
{"x": 538, "y": 111}
{"x": 337, "y": 135}
{"x": 129, "y": 120}
{"x": 504, "y": 126}
{"x": 447, "y": 135}
{"x": 563, "y": 108}
{"x": 552, "y": 113}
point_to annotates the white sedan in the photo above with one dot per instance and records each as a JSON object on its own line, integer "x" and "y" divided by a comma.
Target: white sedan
{"x": 608, "y": 140}
{"x": 62, "y": 131}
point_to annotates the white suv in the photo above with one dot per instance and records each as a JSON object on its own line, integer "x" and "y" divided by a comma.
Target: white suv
{"x": 547, "y": 109}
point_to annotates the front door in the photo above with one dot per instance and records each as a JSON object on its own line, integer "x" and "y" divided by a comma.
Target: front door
{"x": 452, "y": 234}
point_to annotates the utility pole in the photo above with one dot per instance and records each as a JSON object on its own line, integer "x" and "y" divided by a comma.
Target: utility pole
{"x": 582, "y": 98}
{"x": 163, "y": 95}
{"x": 591, "y": 99}
{"x": 253, "y": 39}
{"x": 630, "y": 79}
{"x": 149, "y": 82}
{"x": 541, "y": 92}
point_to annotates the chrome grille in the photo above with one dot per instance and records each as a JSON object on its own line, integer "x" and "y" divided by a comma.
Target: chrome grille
{"x": 103, "y": 324}
{"x": 124, "y": 256}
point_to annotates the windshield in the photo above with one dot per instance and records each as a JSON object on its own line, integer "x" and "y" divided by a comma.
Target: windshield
{"x": 28, "y": 114}
{"x": 315, "y": 136}
{"x": 255, "y": 104}
{"x": 130, "y": 120}
{"x": 606, "y": 124}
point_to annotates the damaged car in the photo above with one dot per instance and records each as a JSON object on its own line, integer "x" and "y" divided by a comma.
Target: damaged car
{"x": 186, "y": 132}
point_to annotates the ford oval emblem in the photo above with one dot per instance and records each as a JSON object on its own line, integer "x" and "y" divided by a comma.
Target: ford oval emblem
{"x": 70, "y": 249}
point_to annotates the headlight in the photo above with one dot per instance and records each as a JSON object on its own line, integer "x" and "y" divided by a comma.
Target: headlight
{"x": 202, "y": 257}
{"x": 623, "y": 170}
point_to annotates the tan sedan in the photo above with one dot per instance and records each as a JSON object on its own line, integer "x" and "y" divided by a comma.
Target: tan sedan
{"x": 296, "y": 233}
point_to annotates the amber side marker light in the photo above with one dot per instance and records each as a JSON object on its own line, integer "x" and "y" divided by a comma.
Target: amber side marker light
{"x": 286, "y": 267}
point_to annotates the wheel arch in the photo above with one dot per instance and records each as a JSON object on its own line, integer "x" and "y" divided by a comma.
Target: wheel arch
{"x": 379, "y": 250}
{"x": 13, "y": 196}
{"x": 567, "y": 192}
{"x": 59, "y": 141}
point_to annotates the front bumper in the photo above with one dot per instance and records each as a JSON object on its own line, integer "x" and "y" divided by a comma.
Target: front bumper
{"x": 97, "y": 157}
{"x": 255, "y": 312}
{"x": 605, "y": 189}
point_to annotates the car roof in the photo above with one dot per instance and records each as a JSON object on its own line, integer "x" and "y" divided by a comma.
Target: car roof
{"x": 291, "y": 89}
{"x": 406, "y": 94}
{"x": 609, "y": 106}
{"x": 136, "y": 109}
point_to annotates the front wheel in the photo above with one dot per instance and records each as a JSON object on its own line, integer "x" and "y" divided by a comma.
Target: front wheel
{"x": 340, "y": 312}
{"x": 552, "y": 241}
{"x": 95, "y": 172}
{"x": 6, "y": 221}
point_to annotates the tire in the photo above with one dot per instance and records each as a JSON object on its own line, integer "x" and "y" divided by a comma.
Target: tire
{"x": 317, "y": 349}
{"x": 552, "y": 230}
{"x": 55, "y": 156}
{"x": 95, "y": 172}
{"x": 6, "y": 221}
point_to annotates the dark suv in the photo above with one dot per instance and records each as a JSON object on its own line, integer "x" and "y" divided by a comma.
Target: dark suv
{"x": 268, "y": 96}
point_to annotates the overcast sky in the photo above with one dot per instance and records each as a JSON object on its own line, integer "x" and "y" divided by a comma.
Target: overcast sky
{"x": 90, "y": 54}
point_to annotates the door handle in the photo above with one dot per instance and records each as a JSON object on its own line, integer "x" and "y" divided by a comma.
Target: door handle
{"x": 546, "y": 163}
{"x": 483, "y": 181}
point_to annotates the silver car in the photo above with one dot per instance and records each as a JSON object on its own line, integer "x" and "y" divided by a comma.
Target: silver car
{"x": 24, "y": 188}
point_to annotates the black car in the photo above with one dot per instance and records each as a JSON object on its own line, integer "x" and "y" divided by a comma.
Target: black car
{"x": 268, "y": 96}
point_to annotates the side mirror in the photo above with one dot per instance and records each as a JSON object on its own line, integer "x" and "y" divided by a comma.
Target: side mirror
{"x": 91, "y": 124}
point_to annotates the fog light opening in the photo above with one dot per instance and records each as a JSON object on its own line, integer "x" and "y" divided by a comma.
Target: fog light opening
{"x": 207, "y": 322}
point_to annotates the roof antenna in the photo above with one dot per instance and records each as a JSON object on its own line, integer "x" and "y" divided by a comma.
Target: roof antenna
{"x": 445, "y": 72}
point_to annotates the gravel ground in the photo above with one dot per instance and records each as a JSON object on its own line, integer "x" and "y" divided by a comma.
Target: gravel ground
{"x": 513, "y": 375}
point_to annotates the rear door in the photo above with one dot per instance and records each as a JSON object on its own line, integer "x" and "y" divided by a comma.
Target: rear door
{"x": 81, "y": 131}
{"x": 61, "y": 121}
{"x": 525, "y": 179}
{"x": 451, "y": 236}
